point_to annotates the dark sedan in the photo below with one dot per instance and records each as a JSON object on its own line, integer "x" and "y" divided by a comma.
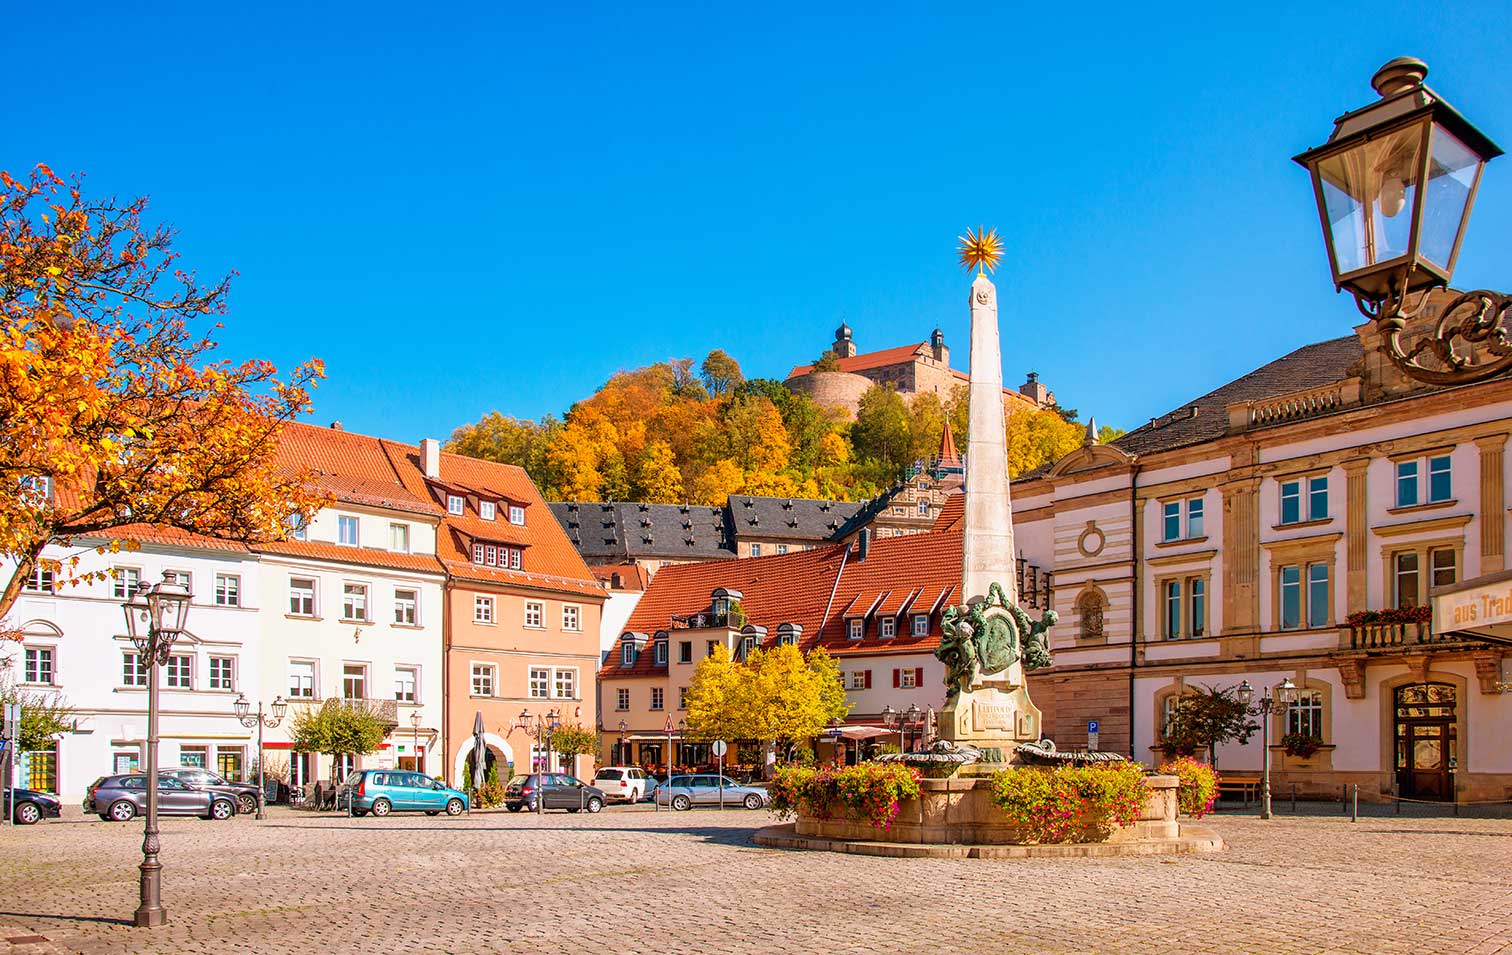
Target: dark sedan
{"x": 552, "y": 791}
{"x": 31, "y": 806}
{"x": 119, "y": 798}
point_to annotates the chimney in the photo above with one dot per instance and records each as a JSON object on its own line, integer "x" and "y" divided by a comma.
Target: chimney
{"x": 863, "y": 545}
{"x": 335, "y": 425}
{"x": 430, "y": 458}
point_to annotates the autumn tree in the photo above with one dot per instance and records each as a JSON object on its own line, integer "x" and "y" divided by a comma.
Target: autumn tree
{"x": 509, "y": 440}
{"x": 713, "y": 699}
{"x": 776, "y": 696}
{"x": 657, "y": 477}
{"x": 1037, "y": 436}
{"x": 881, "y": 433}
{"x": 44, "y": 718}
{"x": 112, "y": 412}
{"x": 720, "y": 373}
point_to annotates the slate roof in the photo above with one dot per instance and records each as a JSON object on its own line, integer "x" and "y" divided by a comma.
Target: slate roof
{"x": 794, "y": 518}
{"x": 609, "y": 532}
{"x": 1310, "y": 366}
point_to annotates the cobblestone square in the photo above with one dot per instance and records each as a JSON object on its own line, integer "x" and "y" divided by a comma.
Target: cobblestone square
{"x": 633, "y": 880}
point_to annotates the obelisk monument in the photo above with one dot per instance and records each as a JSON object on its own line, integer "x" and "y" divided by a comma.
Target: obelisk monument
{"x": 989, "y": 706}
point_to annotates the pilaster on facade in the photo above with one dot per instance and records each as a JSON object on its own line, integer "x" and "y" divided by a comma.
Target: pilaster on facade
{"x": 1493, "y": 533}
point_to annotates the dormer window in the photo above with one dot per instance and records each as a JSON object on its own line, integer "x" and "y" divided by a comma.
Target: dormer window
{"x": 486, "y": 510}
{"x": 855, "y": 628}
{"x": 496, "y": 555}
{"x": 661, "y": 653}
{"x": 921, "y": 625}
{"x": 887, "y": 627}
{"x": 747, "y": 646}
{"x": 788, "y": 633}
{"x": 627, "y": 654}
{"x": 517, "y": 515}
{"x": 455, "y": 504}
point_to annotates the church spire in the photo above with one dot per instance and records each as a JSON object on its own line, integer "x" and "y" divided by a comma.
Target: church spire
{"x": 948, "y": 455}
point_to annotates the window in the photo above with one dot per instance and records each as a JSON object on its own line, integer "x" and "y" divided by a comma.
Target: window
{"x": 228, "y": 762}
{"x": 302, "y": 679}
{"x": 130, "y": 762}
{"x": 1168, "y": 708}
{"x": 39, "y": 665}
{"x": 535, "y": 615}
{"x": 399, "y": 538}
{"x": 682, "y": 697}
{"x": 572, "y": 621}
{"x": 627, "y": 653}
{"x": 455, "y": 504}
{"x": 406, "y": 604}
{"x": 657, "y": 694}
{"x": 227, "y": 590}
{"x": 921, "y": 625}
{"x": 1406, "y": 578}
{"x": 888, "y": 627}
{"x": 222, "y": 673}
{"x": 782, "y": 548}
{"x": 1441, "y": 567}
{"x": 354, "y": 681}
{"x": 1196, "y": 606}
{"x": 1291, "y": 597}
{"x": 685, "y": 652}
{"x": 302, "y": 597}
{"x": 516, "y": 515}
{"x": 196, "y": 756}
{"x": 482, "y": 679}
{"x": 406, "y": 681}
{"x": 486, "y": 510}
{"x": 483, "y": 609}
{"x": 299, "y": 527}
{"x": 908, "y": 679}
{"x": 133, "y": 670}
{"x": 180, "y": 673}
{"x": 854, "y": 629}
{"x": 1172, "y": 609}
{"x": 710, "y": 648}
{"x": 127, "y": 580}
{"x": 42, "y": 580}
{"x": 1294, "y": 509}
{"x": 566, "y": 683}
{"x": 354, "y": 603}
{"x": 301, "y": 769}
{"x": 1317, "y": 498}
{"x": 856, "y": 679}
{"x": 755, "y": 550}
{"x": 1440, "y": 484}
{"x": 180, "y": 577}
{"x": 36, "y": 489}
{"x": 1305, "y": 717}
{"x": 346, "y": 530}
{"x": 1170, "y": 522}
{"x": 747, "y": 646}
{"x": 540, "y": 683}
{"x": 1317, "y": 595}
{"x": 622, "y": 699}
{"x": 1407, "y": 484}
{"x": 1194, "y": 518}
{"x": 661, "y": 653}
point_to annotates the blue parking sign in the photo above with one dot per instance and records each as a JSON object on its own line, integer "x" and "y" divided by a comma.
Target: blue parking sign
{"x": 1091, "y": 726}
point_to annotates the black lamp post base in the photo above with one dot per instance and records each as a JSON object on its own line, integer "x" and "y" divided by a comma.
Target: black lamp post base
{"x": 151, "y": 918}
{"x": 150, "y": 913}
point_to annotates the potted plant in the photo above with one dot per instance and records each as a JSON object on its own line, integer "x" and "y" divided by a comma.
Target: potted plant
{"x": 1301, "y": 745}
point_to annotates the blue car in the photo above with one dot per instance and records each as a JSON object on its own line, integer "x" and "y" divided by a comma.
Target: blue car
{"x": 382, "y": 791}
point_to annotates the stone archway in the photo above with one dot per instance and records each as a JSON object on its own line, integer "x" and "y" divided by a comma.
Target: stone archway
{"x": 496, "y": 744}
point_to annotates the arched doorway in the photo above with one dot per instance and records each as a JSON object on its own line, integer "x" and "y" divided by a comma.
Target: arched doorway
{"x": 1427, "y": 741}
{"x": 499, "y": 755}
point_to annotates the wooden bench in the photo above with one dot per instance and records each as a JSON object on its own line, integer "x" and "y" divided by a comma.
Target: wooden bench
{"x": 1246, "y": 787}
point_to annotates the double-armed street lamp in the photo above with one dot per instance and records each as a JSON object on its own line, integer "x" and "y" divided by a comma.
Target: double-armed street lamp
{"x": 902, "y": 722}
{"x": 249, "y": 720}
{"x": 1394, "y": 185}
{"x": 1286, "y": 695}
{"x": 541, "y": 728}
{"x": 155, "y": 617}
{"x": 620, "y": 755}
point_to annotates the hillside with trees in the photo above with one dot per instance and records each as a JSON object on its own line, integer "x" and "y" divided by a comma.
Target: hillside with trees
{"x": 674, "y": 432}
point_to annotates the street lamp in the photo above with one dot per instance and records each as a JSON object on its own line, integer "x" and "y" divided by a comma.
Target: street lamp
{"x": 620, "y": 756}
{"x": 1394, "y": 185}
{"x": 154, "y": 620}
{"x": 415, "y": 731}
{"x": 902, "y": 722}
{"x": 541, "y": 728}
{"x": 245, "y": 717}
{"x": 1286, "y": 695}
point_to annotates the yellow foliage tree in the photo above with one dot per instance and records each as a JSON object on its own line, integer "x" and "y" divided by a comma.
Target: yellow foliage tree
{"x": 776, "y": 696}
{"x": 713, "y": 699}
{"x": 1036, "y": 437}
{"x": 657, "y": 478}
{"x": 111, "y": 413}
{"x": 717, "y": 482}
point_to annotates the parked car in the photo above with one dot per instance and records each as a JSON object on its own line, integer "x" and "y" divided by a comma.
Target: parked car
{"x": 685, "y": 792}
{"x": 630, "y": 783}
{"x": 245, "y": 794}
{"x": 382, "y": 791}
{"x": 31, "y": 806}
{"x": 561, "y": 792}
{"x": 119, "y": 798}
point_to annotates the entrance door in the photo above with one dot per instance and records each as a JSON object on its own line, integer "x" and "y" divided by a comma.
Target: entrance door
{"x": 1427, "y": 741}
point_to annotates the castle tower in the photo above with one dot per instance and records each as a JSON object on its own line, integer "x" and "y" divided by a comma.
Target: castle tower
{"x": 844, "y": 347}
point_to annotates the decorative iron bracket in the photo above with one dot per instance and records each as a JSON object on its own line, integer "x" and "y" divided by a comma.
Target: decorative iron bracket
{"x": 1476, "y": 318}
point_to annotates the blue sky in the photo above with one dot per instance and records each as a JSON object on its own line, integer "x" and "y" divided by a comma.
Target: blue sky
{"x": 497, "y": 207}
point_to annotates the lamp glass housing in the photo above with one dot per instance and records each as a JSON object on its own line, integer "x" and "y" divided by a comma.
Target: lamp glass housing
{"x": 280, "y": 707}
{"x": 1286, "y": 692}
{"x": 1246, "y": 693}
{"x": 169, "y": 603}
{"x": 241, "y": 705}
{"x": 139, "y": 624}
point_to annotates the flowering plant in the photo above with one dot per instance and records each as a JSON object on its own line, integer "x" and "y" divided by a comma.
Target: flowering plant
{"x": 1197, "y": 788}
{"x": 869, "y": 791}
{"x": 1071, "y": 802}
{"x": 1301, "y": 745}
{"x": 1361, "y": 618}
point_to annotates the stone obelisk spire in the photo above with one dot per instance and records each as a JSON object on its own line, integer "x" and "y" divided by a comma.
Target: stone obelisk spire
{"x": 988, "y": 545}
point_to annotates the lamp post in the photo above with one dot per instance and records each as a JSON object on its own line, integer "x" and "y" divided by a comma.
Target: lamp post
{"x": 1286, "y": 695}
{"x": 245, "y": 717}
{"x": 620, "y": 756}
{"x": 902, "y": 722}
{"x": 541, "y": 728}
{"x": 154, "y": 620}
{"x": 415, "y": 734}
{"x": 1394, "y": 185}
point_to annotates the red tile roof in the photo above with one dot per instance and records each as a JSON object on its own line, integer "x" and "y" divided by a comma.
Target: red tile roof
{"x": 355, "y": 468}
{"x": 632, "y": 576}
{"x": 952, "y": 516}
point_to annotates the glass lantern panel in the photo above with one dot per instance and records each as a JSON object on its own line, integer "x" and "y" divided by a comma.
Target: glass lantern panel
{"x": 1452, "y": 172}
{"x": 1368, "y": 195}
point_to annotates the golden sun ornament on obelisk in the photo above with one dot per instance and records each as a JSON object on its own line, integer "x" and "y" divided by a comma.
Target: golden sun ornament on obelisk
{"x": 980, "y": 249}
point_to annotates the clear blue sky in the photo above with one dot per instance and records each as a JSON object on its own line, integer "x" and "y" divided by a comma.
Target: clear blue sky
{"x": 498, "y": 207}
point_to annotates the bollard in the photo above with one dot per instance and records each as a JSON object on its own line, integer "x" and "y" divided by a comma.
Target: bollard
{"x": 1344, "y": 797}
{"x": 1354, "y": 813}
{"x": 1294, "y": 799}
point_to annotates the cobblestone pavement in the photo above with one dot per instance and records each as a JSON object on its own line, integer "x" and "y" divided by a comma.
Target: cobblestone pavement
{"x": 634, "y": 881}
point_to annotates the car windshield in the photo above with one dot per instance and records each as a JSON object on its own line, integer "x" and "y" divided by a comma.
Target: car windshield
{"x": 609, "y": 774}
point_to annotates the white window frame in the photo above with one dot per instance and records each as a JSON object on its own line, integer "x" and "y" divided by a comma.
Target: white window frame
{"x": 535, "y": 615}
{"x": 485, "y": 679}
{"x": 887, "y": 627}
{"x": 1432, "y": 470}
{"x": 487, "y": 510}
{"x": 313, "y": 676}
{"x": 755, "y": 550}
{"x": 231, "y": 682}
{"x": 855, "y": 628}
{"x": 133, "y": 670}
{"x": 921, "y": 625}
{"x": 120, "y": 588}
{"x": 575, "y": 613}
{"x": 183, "y": 670}
{"x": 228, "y": 590}
{"x": 51, "y": 668}
{"x": 365, "y": 676}
{"x": 856, "y": 680}
{"x": 456, "y": 504}
{"x": 658, "y": 699}
{"x": 517, "y": 515}
{"x": 621, "y": 699}
{"x": 1196, "y": 518}
{"x": 399, "y": 537}
{"x": 412, "y": 602}
{"x": 344, "y": 521}
{"x": 483, "y": 609}
{"x": 539, "y": 685}
{"x": 353, "y": 591}
{"x": 908, "y": 678}
{"x": 1408, "y": 475}
{"x": 314, "y": 594}
{"x": 564, "y": 683}
{"x": 414, "y": 684}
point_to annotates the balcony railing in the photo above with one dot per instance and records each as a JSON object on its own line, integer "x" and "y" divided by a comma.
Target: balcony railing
{"x": 1294, "y": 406}
{"x": 698, "y": 621}
{"x": 1374, "y": 636}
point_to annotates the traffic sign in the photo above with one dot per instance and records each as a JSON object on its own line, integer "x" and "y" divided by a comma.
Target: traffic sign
{"x": 1091, "y": 726}
{"x": 720, "y": 747}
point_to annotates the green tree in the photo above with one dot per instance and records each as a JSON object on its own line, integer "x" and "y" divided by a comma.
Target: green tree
{"x": 1107, "y": 434}
{"x": 827, "y": 361}
{"x": 881, "y": 433}
{"x": 1207, "y": 717}
{"x": 574, "y": 740}
{"x": 339, "y": 728}
{"x": 777, "y": 696}
{"x": 44, "y": 717}
{"x": 499, "y": 437}
{"x": 720, "y": 373}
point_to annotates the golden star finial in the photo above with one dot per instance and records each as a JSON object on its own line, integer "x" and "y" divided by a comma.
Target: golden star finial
{"x": 980, "y": 249}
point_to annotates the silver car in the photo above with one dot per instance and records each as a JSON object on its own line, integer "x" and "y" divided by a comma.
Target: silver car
{"x": 685, "y": 792}
{"x": 120, "y": 798}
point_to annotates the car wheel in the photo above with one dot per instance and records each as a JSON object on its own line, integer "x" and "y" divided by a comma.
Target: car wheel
{"x": 246, "y": 804}
{"x": 595, "y": 804}
{"x": 515, "y": 807}
{"x": 222, "y": 809}
{"x": 27, "y": 813}
{"x": 681, "y": 803}
{"x": 359, "y": 813}
{"x": 433, "y": 812}
{"x": 382, "y": 807}
{"x": 752, "y": 801}
{"x": 454, "y": 807}
{"x": 122, "y": 811}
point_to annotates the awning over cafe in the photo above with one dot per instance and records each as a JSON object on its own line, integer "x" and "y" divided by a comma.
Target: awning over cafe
{"x": 1480, "y": 608}
{"x": 858, "y": 732}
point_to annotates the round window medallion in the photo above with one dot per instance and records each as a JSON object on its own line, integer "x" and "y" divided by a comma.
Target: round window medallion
{"x": 1091, "y": 541}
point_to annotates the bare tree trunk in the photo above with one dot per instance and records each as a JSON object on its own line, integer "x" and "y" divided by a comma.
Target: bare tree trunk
{"x": 24, "y": 568}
